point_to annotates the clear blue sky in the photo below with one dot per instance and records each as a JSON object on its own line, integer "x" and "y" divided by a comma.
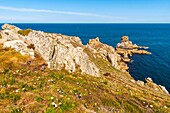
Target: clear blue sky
{"x": 85, "y": 11}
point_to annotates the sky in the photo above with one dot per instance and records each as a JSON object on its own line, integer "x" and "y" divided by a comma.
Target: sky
{"x": 84, "y": 11}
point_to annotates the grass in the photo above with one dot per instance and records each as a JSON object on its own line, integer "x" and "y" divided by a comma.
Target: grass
{"x": 24, "y": 32}
{"x": 24, "y": 88}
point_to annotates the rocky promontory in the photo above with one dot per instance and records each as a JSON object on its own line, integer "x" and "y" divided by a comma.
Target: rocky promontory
{"x": 50, "y": 72}
{"x": 126, "y": 49}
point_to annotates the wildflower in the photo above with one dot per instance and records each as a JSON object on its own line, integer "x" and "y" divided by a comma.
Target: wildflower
{"x": 54, "y": 104}
{"x": 52, "y": 98}
{"x": 17, "y": 91}
{"x": 68, "y": 98}
{"x": 151, "y": 106}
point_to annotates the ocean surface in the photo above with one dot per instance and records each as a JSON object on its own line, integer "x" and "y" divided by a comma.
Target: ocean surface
{"x": 155, "y": 36}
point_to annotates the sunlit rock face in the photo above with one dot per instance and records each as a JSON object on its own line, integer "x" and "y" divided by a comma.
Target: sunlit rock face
{"x": 59, "y": 51}
{"x": 126, "y": 48}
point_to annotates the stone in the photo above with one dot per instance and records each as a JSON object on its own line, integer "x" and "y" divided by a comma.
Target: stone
{"x": 150, "y": 79}
{"x": 105, "y": 51}
{"x": 141, "y": 52}
{"x": 141, "y": 83}
{"x": 20, "y": 47}
{"x": 164, "y": 89}
{"x": 10, "y": 27}
{"x": 61, "y": 51}
{"x": 126, "y": 48}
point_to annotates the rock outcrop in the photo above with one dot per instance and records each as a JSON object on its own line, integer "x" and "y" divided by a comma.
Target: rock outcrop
{"x": 68, "y": 52}
{"x": 126, "y": 48}
{"x": 106, "y": 52}
{"x": 20, "y": 46}
{"x": 59, "y": 51}
{"x": 150, "y": 83}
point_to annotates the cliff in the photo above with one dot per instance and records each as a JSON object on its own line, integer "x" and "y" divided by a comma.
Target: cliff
{"x": 49, "y": 72}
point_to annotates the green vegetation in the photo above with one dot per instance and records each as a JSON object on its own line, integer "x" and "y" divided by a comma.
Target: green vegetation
{"x": 24, "y": 88}
{"x": 24, "y": 32}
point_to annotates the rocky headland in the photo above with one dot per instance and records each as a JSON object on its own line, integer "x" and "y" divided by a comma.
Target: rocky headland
{"x": 126, "y": 49}
{"x": 61, "y": 74}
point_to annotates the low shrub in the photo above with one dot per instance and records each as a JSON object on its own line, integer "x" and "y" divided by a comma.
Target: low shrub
{"x": 24, "y": 32}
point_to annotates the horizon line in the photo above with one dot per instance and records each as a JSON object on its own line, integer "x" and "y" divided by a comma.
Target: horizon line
{"x": 84, "y": 22}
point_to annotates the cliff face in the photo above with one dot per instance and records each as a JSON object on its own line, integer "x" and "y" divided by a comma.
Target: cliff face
{"x": 109, "y": 89}
{"x": 61, "y": 51}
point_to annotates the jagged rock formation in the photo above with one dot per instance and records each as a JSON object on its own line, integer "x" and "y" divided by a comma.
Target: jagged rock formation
{"x": 126, "y": 49}
{"x": 106, "y": 52}
{"x": 29, "y": 86}
{"x": 59, "y": 51}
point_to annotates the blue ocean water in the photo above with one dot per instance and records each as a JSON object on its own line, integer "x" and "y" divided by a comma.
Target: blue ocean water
{"x": 155, "y": 36}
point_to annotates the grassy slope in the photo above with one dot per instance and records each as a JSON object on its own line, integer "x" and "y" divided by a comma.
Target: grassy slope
{"x": 23, "y": 87}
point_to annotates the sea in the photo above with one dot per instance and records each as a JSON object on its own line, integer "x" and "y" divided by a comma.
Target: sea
{"x": 154, "y": 36}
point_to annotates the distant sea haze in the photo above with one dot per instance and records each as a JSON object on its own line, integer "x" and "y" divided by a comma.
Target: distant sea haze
{"x": 155, "y": 36}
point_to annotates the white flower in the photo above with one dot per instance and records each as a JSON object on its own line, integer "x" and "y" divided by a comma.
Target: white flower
{"x": 68, "y": 98}
{"x": 39, "y": 77}
{"x": 52, "y": 98}
{"x": 53, "y": 103}
{"x": 151, "y": 106}
{"x": 17, "y": 91}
